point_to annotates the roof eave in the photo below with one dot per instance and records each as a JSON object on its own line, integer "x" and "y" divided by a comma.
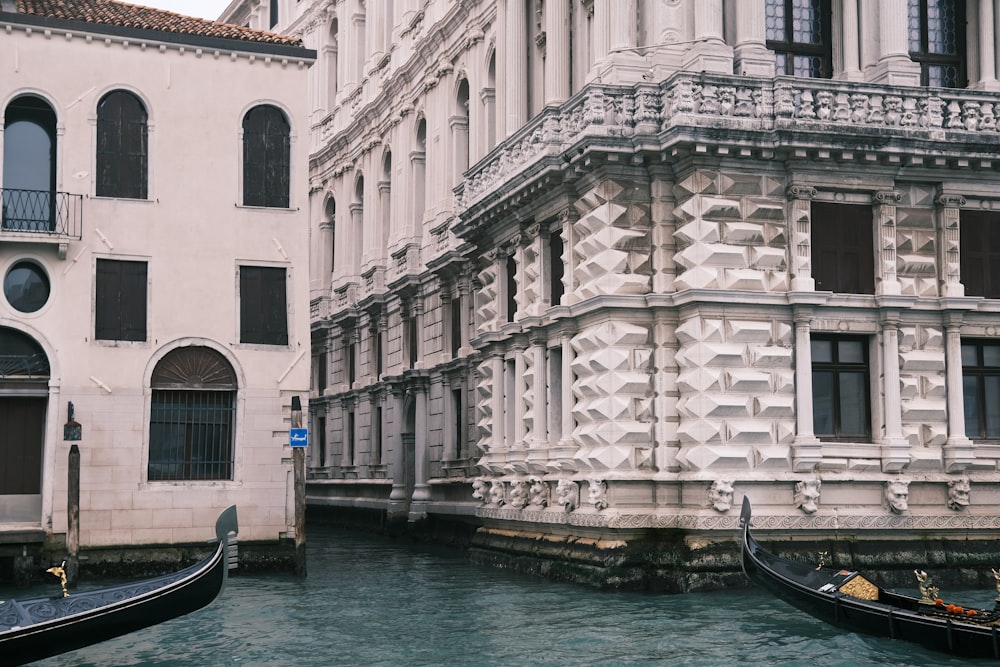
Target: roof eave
{"x": 160, "y": 36}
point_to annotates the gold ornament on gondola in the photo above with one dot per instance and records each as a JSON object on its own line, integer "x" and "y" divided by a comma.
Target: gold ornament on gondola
{"x": 60, "y": 571}
{"x": 928, "y": 591}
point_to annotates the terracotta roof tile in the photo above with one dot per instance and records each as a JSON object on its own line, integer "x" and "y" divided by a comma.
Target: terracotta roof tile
{"x": 122, "y": 14}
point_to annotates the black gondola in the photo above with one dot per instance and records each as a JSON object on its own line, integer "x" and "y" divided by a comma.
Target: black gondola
{"x": 850, "y": 601}
{"x": 39, "y": 628}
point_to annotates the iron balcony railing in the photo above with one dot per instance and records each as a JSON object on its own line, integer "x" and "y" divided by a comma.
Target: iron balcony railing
{"x": 53, "y": 214}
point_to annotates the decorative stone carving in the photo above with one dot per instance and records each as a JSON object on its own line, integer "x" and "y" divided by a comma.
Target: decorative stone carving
{"x": 518, "y": 496}
{"x": 538, "y": 493}
{"x": 498, "y": 493}
{"x": 720, "y": 495}
{"x": 481, "y": 490}
{"x": 958, "y": 493}
{"x": 897, "y": 494}
{"x": 597, "y": 494}
{"x": 807, "y": 495}
{"x": 568, "y": 494}
{"x": 614, "y": 396}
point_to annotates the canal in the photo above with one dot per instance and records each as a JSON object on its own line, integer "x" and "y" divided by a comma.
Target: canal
{"x": 369, "y": 600}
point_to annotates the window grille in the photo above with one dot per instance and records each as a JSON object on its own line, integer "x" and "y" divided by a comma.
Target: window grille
{"x": 192, "y": 417}
{"x": 936, "y": 30}
{"x": 798, "y": 31}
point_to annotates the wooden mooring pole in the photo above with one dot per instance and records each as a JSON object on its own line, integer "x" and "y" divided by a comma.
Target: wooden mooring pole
{"x": 299, "y": 477}
{"x": 73, "y": 517}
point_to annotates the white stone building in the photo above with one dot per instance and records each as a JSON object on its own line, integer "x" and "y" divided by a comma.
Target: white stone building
{"x": 153, "y": 251}
{"x": 591, "y": 267}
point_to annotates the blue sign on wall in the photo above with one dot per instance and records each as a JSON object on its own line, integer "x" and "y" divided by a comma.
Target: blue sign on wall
{"x": 298, "y": 437}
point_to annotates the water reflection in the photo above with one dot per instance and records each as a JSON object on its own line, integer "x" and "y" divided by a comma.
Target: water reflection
{"x": 372, "y": 601}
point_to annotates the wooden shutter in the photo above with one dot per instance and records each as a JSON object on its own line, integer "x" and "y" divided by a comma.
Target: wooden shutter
{"x": 843, "y": 250}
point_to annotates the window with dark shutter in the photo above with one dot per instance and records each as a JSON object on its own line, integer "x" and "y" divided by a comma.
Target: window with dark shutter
{"x": 843, "y": 252}
{"x": 980, "y": 253}
{"x": 120, "y": 300}
{"x": 121, "y": 146}
{"x": 263, "y": 309}
{"x": 266, "y": 157}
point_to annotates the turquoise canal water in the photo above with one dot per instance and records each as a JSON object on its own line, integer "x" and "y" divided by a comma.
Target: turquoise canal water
{"x": 374, "y": 601}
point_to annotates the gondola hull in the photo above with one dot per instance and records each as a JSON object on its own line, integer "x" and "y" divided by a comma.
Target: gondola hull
{"x": 868, "y": 609}
{"x": 34, "y": 629}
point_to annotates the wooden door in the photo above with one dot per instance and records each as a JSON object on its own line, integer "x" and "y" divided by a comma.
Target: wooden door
{"x": 21, "y": 438}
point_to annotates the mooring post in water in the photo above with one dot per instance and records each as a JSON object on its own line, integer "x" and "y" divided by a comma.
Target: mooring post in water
{"x": 73, "y": 514}
{"x": 299, "y": 475}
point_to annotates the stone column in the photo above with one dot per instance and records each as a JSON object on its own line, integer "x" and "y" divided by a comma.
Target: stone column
{"x": 567, "y": 217}
{"x": 381, "y": 244}
{"x": 464, "y": 294}
{"x": 418, "y": 322}
{"x": 459, "y": 127}
{"x": 603, "y": 10}
{"x": 850, "y": 43}
{"x": 807, "y": 451}
{"x": 375, "y": 26}
{"x": 958, "y": 450}
{"x": 517, "y": 440}
{"x": 800, "y": 235}
{"x": 987, "y": 47}
{"x": 750, "y": 56}
{"x": 498, "y": 448}
{"x": 538, "y": 444}
{"x": 421, "y": 489}
{"x": 557, "y": 51}
{"x": 894, "y": 66}
{"x": 709, "y": 53}
{"x": 885, "y": 224}
{"x": 949, "y": 246}
{"x": 516, "y": 58}
{"x": 561, "y": 456}
{"x": 326, "y": 236}
{"x": 895, "y": 448}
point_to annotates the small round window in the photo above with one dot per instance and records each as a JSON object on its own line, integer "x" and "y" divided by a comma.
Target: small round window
{"x": 26, "y": 287}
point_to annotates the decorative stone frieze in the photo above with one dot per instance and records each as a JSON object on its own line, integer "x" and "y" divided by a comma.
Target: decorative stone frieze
{"x": 613, "y": 397}
{"x": 737, "y": 400}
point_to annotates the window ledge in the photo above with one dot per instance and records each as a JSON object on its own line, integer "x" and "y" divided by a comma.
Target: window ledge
{"x": 145, "y": 200}
{"x": 273, "y": 209}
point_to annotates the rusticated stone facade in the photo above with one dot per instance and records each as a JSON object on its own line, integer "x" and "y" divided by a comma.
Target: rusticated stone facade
{"x": 584, "y": 268}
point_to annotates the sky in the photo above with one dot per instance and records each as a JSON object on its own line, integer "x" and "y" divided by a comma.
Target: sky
{"x": 206, "y": 9}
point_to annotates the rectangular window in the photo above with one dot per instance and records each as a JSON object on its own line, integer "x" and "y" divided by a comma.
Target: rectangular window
{"x": 936, "y": 30}
{"x": 459, "y": 416}
{"x": 377, "y": 437}
{"x": 263, "y": 310}
{"x": 980, "y": 253}
{"x": 378, "y": 354}
{"x": 840, "y": 379}
{"x": 798, "y": 31}
{"x": 456, "y": 324}
{"x": 843, "y": 250}
{"x": 274, "y": 14}
{"x": 120, "y": 300}
{"x": 191, "y": 435}
{"x": 981, "y": 389}
{"x": 411, "y": 341}
{"x": 556, "y": 268}
{"x": 349, "y": 441}
{"x": 321, "y": 373}
{"x": 352, "y": 363}
{"x": 321, "y": 440}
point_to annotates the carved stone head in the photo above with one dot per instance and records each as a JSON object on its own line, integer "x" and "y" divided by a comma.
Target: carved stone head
{"x": 481, "y": 489}
{"x": 897, "y": 494}
{"x": 597, "y": 494}
{"x": 807, "y": 495}
{"x": 538, "y": 492}
{"x": 498, "y": 495}
{"x": 518, "y": 496}
{"x": 958, "y": 493}
{"x": 720, "y": 495}
{"x": 568, "y": 494}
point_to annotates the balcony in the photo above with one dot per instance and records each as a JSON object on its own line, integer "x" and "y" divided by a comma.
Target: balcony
{"x": 41, "y": 216}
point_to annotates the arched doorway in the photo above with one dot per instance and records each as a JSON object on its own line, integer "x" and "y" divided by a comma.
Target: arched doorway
{"x": 24, "y": 391}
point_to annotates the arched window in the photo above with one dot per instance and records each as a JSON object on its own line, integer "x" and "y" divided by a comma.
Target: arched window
{"x": 266, "y": 157}
{"x": 193, "y": 416}
{"x": 29, "y": 165}
{"x": 460, "y": 130}
{"x": 121, "y": 146}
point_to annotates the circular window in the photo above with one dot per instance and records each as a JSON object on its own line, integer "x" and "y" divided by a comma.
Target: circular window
{"x": 26, "y": 287}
